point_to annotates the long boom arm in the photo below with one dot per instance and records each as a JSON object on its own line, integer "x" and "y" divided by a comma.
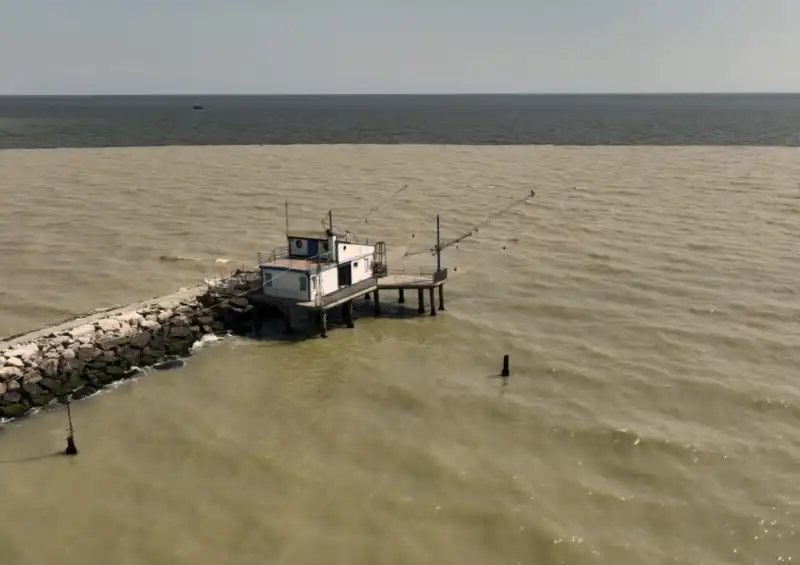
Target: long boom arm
{"x": 472, "y": 231}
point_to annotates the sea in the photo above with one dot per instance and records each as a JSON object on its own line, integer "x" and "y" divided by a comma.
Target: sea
{"x": 647, "y": 298}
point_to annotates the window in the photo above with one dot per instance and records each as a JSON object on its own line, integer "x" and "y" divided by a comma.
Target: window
{"x": 303, "y": 282}
{"x": 313, "y": 283}
{"x": 355, "y": 264}
{"x": 267, "y": 279}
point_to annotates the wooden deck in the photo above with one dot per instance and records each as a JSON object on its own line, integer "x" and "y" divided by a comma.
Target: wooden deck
{"x": 410, "y": 281}
{"x": 407, "y": 282}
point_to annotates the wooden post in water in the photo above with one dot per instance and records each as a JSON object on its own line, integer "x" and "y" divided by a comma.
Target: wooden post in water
{"x": 421, "y": 300}
{"x": 433, "y": 302}
{"x": 506, "y": 372}
{"x": 401, "y": 298}
{"x": 441, "y": 297}
{"x": 377, "y": 302}
{"x": 323, "y": 318}
{"x": 71, "y": 448}
{"x": 347, "y": 313}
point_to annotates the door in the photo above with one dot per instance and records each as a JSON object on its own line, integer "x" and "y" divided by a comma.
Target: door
{"x": 345, "y": 275}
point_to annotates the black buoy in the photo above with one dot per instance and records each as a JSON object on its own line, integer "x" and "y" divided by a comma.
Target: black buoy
{"x": 71, "y": 449}
{"x": 506, "y": 372}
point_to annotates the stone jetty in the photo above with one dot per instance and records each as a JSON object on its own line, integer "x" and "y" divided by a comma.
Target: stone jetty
{"x": 81, "y": 356}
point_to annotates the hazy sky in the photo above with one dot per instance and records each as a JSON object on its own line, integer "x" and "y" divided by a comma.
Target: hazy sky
{"x": 399, "y": 46}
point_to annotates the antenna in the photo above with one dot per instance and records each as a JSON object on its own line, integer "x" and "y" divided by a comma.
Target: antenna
{"x": 287, "y": 218}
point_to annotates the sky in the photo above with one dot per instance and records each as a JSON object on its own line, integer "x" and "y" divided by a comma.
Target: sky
{"x": 398, "y": 46}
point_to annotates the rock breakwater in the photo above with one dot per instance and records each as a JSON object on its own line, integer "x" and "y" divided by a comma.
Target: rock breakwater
{"x": 80, "y": 357}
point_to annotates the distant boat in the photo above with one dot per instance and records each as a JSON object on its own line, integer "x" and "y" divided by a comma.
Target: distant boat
{"x": 197, "y": 107}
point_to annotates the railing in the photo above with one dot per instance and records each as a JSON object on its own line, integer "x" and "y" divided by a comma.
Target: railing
{"x": 274, "y": 255}
{"x": 283, "y": 253}
{"x": 412, "y": 270}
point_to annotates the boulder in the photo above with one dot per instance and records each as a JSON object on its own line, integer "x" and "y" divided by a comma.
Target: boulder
{"x": 100, "y": 364}
{"x": 9, "y": 373}
{"x": 31, "y": 377}
{"x": 109, "y": 324}
{"x": 150, "y": 325}
{"x": 239, "y": 302}
{"x": 72, "y": 365}
{"x": 3, "y": 388}
{"x": 130, "y": 318}
{"x": 50, "y": 385}
{"x": 113, "y": 343}
{"x": 2, "y": 361}
{"x": 141, "y": 340}
{"x": 130, "y": 355}
{"x": 32, "y": 390}
{"x": 49, "y": 367}
{"x": 180, "y": 332}
{"x": 116, "y": 373}
{"x": 73, "y": 383}
{"x": 158, "y": 341}
{"x": 180, "y": 347}
{"x": 11, "y": 397}
{"x": 169, "y": 364}
{"x": 14, "y": 411}
{"x": 205, "y": 320}
{"x": 87, "y": 330}
{"x": 185, "y": 309}
{"x": 151, "y": 355}
{"x": 42, "y": 400}
{"x": 164, "y": 316}
{"x": 14, "y": 362}
{"x": 24, "y": 351}
{"x": 83, "y": 392}
{"x": 88, "y": 353}
{"x": 127, "y": 330}
{"x": 68, "y": 354}
{"x": 13, "y": 385}
{"x": 179, "y": 321}
{"x": 97, "y": 379}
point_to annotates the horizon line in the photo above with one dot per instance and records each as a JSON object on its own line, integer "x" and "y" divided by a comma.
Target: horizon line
{"x": 375, "y": 94}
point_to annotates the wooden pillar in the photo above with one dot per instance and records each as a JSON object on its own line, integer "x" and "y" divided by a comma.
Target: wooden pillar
{"x": 421, "y": 300}
{"x": 433, "y": 302}
{"x": 401, "y": 298}
{"x": 441, "y": 297}
{"x": 287, "y": 319}
{"x": 323, "y": 318}
{"x": 347, "y": 313}
{"x": 367, "y": 296}
{"x": 377, "y": 302}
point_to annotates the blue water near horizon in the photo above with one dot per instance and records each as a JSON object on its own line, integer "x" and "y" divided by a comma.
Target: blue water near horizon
{"x": 29, "y": 122}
